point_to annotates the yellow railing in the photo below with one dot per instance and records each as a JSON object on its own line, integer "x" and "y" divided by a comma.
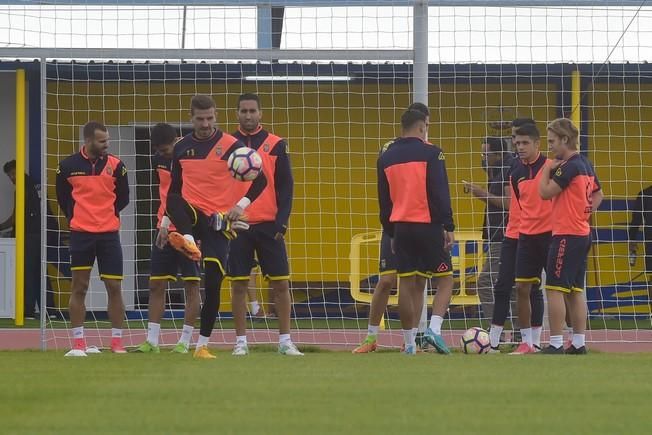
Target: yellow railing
{"x": 460, "y": 262}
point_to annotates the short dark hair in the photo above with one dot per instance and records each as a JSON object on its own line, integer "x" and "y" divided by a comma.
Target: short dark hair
{"x": 11, "y": 164}
{"x": 410, "y": 118}
{"x": 419, "y": 107}
{"x": 528, "y": 130}
{"x": 201, "y": 102}
{"x": 162, "y": 134}
{"x": 90, "y": 127}
{"x": 496, "y": 144}
{"x": 248, "y": 97}
{"x": 518, "y": 122}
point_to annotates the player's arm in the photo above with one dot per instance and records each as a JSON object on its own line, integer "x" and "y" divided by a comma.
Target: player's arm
{"x": 284, "y": 184}
{"x": 439, "y": 191}
{"x": 488, "y": 197}
{"x": 256, "y": 188}
{"x": 551, "y": 186}
{"x": 64, "y": 192}
{"x": 384, "y": 200}
{"x": 121, "y": 188}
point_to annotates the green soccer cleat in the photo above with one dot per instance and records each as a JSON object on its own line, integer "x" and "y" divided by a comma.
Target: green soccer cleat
{"x": 437, "y": 341}
{"x": 147, "y": 347}
{"x": 180, "y": 348}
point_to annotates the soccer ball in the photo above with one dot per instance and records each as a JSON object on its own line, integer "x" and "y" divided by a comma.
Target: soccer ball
{"x": 475, "y": 340}
{"x": 245, "y": 164}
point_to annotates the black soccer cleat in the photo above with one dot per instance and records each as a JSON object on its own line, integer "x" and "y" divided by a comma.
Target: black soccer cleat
{"x": 551, "y": 350}
{"x": 572, "y": 350}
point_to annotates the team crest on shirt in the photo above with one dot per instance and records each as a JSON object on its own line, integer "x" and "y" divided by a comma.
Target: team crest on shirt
{"x": 266, "y": 147}
{"x": 109, "y": 170}
{"x": 218, "y": 151}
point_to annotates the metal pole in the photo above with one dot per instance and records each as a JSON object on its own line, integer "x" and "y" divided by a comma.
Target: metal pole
{"x": 420, "y": 47}
{"x": 19, "y": 224}
{"x": 44, "y": 200}
{"x": 183, "y": 27}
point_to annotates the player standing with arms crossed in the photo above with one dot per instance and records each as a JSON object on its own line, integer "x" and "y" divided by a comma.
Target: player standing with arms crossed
{"x": 268, "y": 218}
{"x": 92, "y": 188}
{"x": 167, "y": 262}
{"x": 575, "y": 192}
{"x": 415, "y": 211}
{"x": 200, "y": 204}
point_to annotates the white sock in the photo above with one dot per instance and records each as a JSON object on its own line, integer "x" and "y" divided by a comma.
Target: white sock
{"x": 186, "y": 334}
{"x": 579, "y": 340}
{"x": 536, "y": 335}
{"x": 189, "y": 237}
{"x": 414, "y": 334}
{"x": 116, "y": 333}
{"x": 255, "y": 306}
{"x": 556, "y": 341}
{"x": 494, "y": 335}
{"x": 526, "y": 335}
{"x": 373, "y": 330}
{"x": 435, "y": 324}
{"x": 153, "y": 330}
{"x": 284, "y": 339}
{"x": 78, "y": 332}
{"x": 241, "y": 339}
{"x": 408, "y": 337}
{"x": 202, "y": 341}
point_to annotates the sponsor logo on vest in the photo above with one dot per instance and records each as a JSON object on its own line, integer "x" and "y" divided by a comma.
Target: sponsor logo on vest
{"x": 109, "y": 170}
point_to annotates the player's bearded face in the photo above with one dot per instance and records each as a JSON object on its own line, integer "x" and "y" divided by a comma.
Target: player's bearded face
{"x": 99, "y": 146}
{"x": 249, "y": 115}
{"x": 203, "y": 122}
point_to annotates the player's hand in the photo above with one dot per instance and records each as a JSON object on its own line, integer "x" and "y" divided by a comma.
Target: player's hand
{"x": 162, "y": 238}
{"x": 449, "y": 240}
{"x": 633, "y": 247}
{"x": 235, "y": 213}
{"x": 280, "y": 232}
{"x": 474, "y": 189}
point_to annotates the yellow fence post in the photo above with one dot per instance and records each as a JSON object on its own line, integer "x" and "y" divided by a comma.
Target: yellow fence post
{"x": 20, "y": 197}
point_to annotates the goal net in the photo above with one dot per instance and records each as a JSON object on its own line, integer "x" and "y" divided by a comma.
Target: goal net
{"x": 335, "y": 90}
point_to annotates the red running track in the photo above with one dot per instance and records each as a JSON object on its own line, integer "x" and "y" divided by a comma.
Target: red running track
{"x": 607, "y": 340}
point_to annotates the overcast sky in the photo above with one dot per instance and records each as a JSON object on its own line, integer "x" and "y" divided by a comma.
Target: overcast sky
{"x": 493, "y": 35}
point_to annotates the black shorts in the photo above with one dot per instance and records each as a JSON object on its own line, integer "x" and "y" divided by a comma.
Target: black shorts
{"x": 566, "y": 268}
{"x": 166, "y": 263}
{"x": 387, "y": 258}
{"x": 271, "y": 254}
{"x": 531, "y": 256}
{"x": 420, "y": 250}
{"x": 106, "y": 247}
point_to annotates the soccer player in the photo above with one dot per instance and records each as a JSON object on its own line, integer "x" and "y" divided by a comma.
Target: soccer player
{"x": 642, "y": 216}
{"x": 167, "y": 262}
{"x": 535, "y": 228}
{"x": 268, "y": 219}
{"x": 387, "y": 270}
{"x": 201, "y": 204}
{"x": 506, "y": 272}
{"x": 415, "y": 211}
{"x": 575, "y": 192}
{"x": 496, "y": 161}
{"x": 92, "y": 189}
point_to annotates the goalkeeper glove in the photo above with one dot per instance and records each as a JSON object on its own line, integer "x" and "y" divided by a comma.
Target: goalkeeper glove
{"x": 219, "y": 222}
{"x": 162, "y": 236}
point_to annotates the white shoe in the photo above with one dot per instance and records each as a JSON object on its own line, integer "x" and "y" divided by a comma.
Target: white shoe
{"x": 289, "y": 349}
{"x": 92, "y": 349}
{"x": 240, "y": 349}
{"x": 493, "y": 350}
{"x": 75, "y": 352}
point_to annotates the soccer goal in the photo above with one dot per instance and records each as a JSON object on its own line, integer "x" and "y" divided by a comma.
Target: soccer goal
{"x": 334, "y": 78}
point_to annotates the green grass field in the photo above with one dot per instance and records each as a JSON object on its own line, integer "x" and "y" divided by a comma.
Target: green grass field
{"x": 325, "y": 392}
